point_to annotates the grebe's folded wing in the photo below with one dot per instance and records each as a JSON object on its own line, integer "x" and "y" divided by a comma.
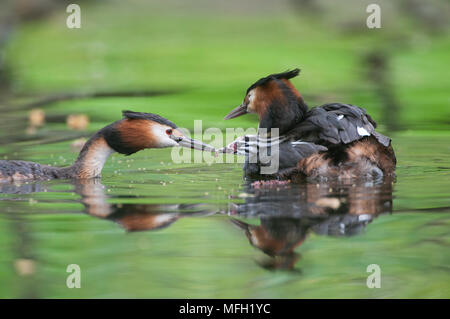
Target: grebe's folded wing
{"x": 337, "y": 123}
{"x": 305, "y": 149}
{"x": 293, "y": 151}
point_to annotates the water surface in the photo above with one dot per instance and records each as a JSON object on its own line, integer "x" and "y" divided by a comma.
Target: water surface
{"x": 152, "y": 228}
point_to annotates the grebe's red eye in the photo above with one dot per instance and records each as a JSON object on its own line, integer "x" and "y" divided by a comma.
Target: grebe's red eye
{"x": 169, "y": 131}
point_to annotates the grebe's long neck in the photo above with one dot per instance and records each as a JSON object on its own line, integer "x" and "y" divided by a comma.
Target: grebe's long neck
{"x": 92, "y": 157}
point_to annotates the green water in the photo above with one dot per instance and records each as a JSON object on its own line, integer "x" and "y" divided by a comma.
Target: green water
{"x": 153, "y": 228}
{"x": 189, "y": 247}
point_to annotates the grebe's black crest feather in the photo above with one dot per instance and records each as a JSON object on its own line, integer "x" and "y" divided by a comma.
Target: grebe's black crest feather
{"x": 148, "y": 116}
{"x": 284, "y": 75}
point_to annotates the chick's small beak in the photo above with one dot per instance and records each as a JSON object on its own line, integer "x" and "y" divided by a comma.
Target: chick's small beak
{"x": 230, "y": 149}
{"x": 191, "y": 143}
{"x": 240, "y": 110}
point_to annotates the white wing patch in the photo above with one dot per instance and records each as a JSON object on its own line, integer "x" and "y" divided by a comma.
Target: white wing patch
{"x": 340, "y": 117}
{"x": 299, "y": 143}
{"x": 362, "y": 131}
{"x": 165, "y": 218}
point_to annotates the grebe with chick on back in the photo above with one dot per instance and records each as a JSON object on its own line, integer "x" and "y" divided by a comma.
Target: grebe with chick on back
{"x": 135, "y": 132}
{"x": 334, "y": 140}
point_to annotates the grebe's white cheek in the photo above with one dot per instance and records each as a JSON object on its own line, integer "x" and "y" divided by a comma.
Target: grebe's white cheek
{"x": 160, "y": 137}
{"x": 250, "y": 106}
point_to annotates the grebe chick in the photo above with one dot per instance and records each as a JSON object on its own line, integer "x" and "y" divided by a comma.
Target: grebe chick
{"x": 330, "y": 141}
{"x": 135, "y": 132}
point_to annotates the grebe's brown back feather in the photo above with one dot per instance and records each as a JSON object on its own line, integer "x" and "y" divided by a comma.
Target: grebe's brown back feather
{"x": 23, "y": 170}
{"x": 365, "y": 158}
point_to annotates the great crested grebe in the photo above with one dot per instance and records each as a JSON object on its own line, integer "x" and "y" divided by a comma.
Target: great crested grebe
{"x": 135, "y": 132}
{"x": 330, "y": 141}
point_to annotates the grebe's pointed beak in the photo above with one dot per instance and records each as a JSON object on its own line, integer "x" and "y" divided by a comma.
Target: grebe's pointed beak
{"x": 240, "y": 224}
{"x": 240, "y": 110}
{"x": 191, "y": 143}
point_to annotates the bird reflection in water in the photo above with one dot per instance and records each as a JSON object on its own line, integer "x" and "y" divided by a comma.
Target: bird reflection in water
{"x": 135, "y": 217}
{"x": 289, "y": 214}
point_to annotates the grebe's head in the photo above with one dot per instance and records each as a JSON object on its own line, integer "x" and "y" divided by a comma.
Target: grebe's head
{"x": 138, "y": 131}
{"x": 275, "y": 100}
